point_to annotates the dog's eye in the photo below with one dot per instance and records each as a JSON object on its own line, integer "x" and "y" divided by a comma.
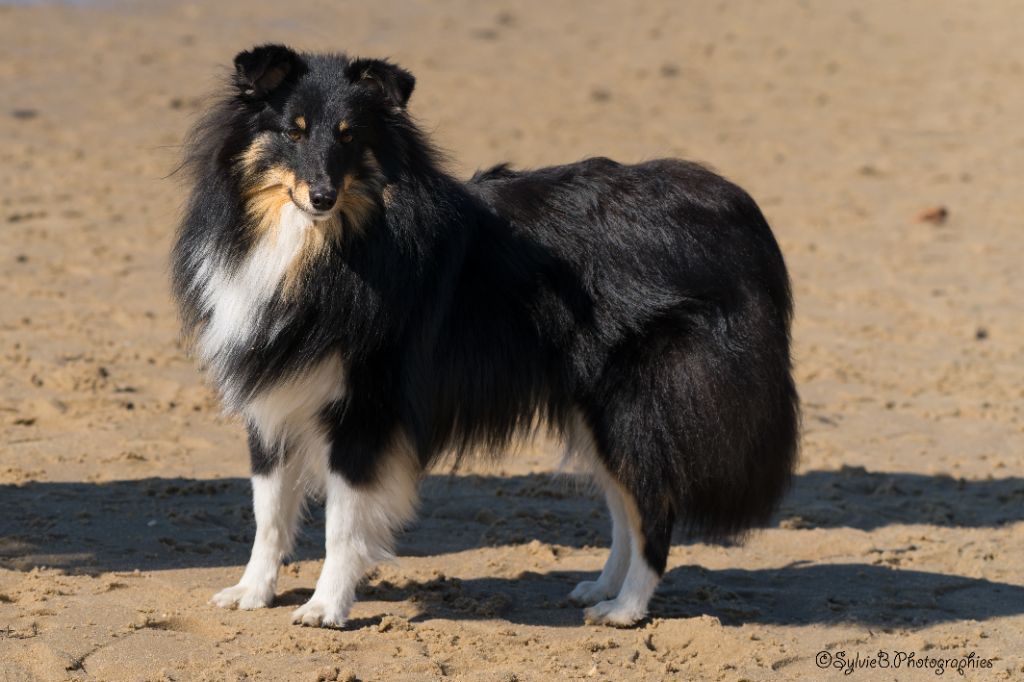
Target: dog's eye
{"x": 294, "y": 134}
{"x": 345, "y": 137}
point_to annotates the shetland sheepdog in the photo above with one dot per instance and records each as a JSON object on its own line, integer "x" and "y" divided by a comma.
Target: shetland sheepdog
{"x": 366, "y": 314}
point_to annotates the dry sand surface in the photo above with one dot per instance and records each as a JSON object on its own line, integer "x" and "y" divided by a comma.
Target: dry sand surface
{"x": 123, "y": 492}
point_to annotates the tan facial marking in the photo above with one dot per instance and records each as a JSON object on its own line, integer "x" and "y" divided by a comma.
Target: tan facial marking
{"x": 300, "y": 122}
{"x": 266, "y": 190}
{"x": 248, "y": 159}
{"x": 344, "y": 133}
{"x": 361, "y": 195}
{"x": 268, "y": 193}
{"x": 270, "y": 190}
{"x": 301, "y": 193}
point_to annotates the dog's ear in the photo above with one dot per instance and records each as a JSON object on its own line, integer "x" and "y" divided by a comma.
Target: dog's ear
{"x": 394, "y": 82}
{"x": 262, "y": 69}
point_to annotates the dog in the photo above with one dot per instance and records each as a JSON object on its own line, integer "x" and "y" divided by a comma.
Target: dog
{"x": 366, "y": 313}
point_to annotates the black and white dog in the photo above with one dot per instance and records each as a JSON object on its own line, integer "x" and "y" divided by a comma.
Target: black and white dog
{"x": 365, "y": 313}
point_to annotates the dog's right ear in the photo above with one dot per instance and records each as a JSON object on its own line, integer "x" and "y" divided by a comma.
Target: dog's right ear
{"x": 262, "y": 69}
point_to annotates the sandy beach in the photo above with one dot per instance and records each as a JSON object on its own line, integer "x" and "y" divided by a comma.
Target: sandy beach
{"x": 883, "y": 142}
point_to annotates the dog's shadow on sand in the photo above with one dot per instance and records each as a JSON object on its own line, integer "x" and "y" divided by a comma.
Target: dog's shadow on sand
{"x": 155, "y": 524}
{"x": 800, "y": 594}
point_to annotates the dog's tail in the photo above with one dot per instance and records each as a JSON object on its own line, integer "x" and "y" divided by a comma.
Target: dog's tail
{"x": 699, "y": 416}
{"x": 738, "y": 402}
{"x": 740, "y": 416}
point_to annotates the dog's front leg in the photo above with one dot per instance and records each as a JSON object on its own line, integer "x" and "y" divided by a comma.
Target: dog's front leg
{"x": 277, "y": 497}
{"x": 362, "y": 518}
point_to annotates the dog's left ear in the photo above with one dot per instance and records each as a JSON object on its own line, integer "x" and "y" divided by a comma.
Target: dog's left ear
{"x": 261, "y": 70}
{"x": 394, "y": 82}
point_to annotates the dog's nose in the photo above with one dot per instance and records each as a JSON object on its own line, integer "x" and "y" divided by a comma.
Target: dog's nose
{"x": 322, "y": 198}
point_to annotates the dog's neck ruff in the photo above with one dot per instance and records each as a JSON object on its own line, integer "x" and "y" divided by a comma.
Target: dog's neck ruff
{"x": 235, "y": 298}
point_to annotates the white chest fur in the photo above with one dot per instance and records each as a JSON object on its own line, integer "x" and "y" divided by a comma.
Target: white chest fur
{"x": 236, "y": 299}
{"x": 289, "y": 411}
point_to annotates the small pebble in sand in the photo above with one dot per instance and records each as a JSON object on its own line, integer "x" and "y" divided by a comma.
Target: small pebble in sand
{"x": 936, "y": 215}
{"x": 669, "y": 70}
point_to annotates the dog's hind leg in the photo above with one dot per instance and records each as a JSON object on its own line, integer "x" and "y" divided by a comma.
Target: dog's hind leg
{"x": 277, "y": 497}
{"x": 608, "y": 584}
{"x": 634, "y": 423}
{"x": 623, "y": 514}
{"x": 641, "y": 536}
{"x": 649, "y": 541}
{"x": 362, "y": 517}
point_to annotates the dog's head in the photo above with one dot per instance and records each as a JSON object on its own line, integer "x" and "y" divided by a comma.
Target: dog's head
{"x": 318, "y": 125}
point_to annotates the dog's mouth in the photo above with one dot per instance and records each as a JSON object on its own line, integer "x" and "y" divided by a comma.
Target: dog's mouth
{"x": 317, "y": 216}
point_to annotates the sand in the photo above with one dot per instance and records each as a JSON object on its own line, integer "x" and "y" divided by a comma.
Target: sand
{"x": 123, "y": 490}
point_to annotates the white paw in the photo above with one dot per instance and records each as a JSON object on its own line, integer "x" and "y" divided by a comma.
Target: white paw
{"x": 318, "y": 614}
{"x": 590, "y": 592}
{"x": 615, "y": 613}
{"x": 245, "y": 597}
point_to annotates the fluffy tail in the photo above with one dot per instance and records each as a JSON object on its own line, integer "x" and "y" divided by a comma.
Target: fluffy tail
{"x": 740, "y": 414}
{"x": 698, "y": 416}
